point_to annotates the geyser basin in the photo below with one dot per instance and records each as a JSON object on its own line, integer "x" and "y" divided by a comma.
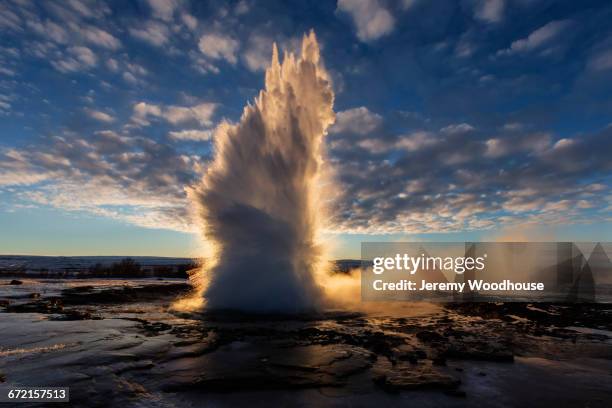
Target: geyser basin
{"x": 258, "y": 202}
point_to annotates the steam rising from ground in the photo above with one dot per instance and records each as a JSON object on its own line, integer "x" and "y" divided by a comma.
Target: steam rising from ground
{"x": 258, "y": 202}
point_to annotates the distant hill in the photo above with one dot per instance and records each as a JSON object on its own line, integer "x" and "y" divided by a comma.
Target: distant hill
{"x": 94, "y": 266}
{"x": 113, "y": 266}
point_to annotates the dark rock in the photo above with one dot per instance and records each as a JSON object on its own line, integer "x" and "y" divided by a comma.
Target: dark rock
{"x": 15, "y": 282}
{"x": 439, "y": 360}
{"x": 428, "y": 336}
{"x": 155, "y": 329}
{"x": 48, "y": 305}
{"x": 412, "y": 378}
{"x": 72, "y": 314}
{"x": 483, "y": 351}
{"x": 409, "y": 353}
{"x": 242, "y": 366}
{"x": 86, "y": 295}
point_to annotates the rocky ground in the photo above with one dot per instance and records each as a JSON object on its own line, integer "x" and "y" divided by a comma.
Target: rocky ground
{"x": 118, "y": 343}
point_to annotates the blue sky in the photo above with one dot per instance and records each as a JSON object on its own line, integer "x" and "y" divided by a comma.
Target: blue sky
{"x": 458, "y": 120}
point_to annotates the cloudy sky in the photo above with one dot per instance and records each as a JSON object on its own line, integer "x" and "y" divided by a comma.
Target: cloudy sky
{"x": 458, "y": 120}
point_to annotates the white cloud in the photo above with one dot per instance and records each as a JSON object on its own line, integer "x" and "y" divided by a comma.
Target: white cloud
{"x": 563, "y": 143}
{"x": 130, "y": 78}
{"x": 112, "y": 64}
{"x": 133, "y": 179}
{"x": 490, "y": 11}
{"x": 163, "y": 9}
{"x": 242, "y": 7}
{"x": 202, "y": 65}
{"x": 601, "y": 61}
{"x": 370, "y": 17}
{"x": 153, "y": 32}
{"x": 97, "y": 36}
{"x": 100, "y": 116}
{"x": 257, "y": 56}
{"x": 84, "y": 55}
{"x": 191, "y": 134}
{"x": 407, "y": 4}
{"x": 258, "y": 52}
{"x": 202, "y": 113}
{"x": 457, "y": 128}
{"x": 50, "y": 30}
{"x": 132, "y": 73}
{"x": 103, "y": 197}
{"x": 356, "y": 120}
{"x": 5, "y": 103}
{"x": 219, "y": 46}
{"x": 9, "y": 20}
{"x": 142, "y": 110}
{"x": 528, "y": 143}
{"x": 538, "y": 38}
{"x": 374, "y": 145}
{"x": 7, "y": 71}
{"x": 464, "y": 48}
{"x": 175, "y": 115}
{"x": 190, "y": 21}
{"x": 416, "y": 141}
{"x": 78, "y": 59}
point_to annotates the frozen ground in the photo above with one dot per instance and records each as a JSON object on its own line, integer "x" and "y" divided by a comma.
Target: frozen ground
{"x": 117, "y": 343}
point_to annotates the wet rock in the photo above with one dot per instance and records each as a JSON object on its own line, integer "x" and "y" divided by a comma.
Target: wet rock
{"x": 412, "y": 378}
{"x": 456, "y": 333}
{"x": 15, "y": 282}
{"x": 428, "y": 336}
{"x": 155, "y": 329}
{"x": 409, "y": 353}
{"x": 339, "y": 361}
{"x": 72, "y": 314}
{"x": 81, "y": 289}
{"x": 86, "y": 295}
{"x": 242, "y": 366}
{"x": 439, "y": 360}
{"x": 541, "y": 315}
{"x": 34, "y": 295}
{"x": 482, "y": 350}
{"x": 49, "y": 305}
{"x": 378, "y": 342}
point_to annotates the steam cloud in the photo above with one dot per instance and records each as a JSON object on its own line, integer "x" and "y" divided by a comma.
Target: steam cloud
{"x": 258, "y": 202}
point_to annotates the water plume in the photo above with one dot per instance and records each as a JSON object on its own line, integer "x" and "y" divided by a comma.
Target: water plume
{"x": 258, "y": 202}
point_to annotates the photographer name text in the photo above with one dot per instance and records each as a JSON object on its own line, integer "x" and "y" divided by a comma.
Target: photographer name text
{"x": 472, "y": 284}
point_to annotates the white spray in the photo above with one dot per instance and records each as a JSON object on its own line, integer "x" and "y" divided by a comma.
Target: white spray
{"x": 258, "y": 202}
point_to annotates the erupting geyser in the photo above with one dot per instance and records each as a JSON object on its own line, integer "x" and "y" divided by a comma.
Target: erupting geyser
{"x": 258, "y": 201}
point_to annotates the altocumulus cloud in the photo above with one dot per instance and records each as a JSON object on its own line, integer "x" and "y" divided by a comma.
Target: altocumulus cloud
{"x": 539, "y": 40}
{"x": 371, "y": 18}
{"x": 454, "y": 178}
{"x": 134, "y": 179}
{"x": 124, "y": 139}
{"x": 200, "y": 114}
{"x": 459, "y": 178}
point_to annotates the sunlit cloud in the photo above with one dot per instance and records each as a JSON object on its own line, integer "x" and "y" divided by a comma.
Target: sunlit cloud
{"x": 371, "y": 18}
